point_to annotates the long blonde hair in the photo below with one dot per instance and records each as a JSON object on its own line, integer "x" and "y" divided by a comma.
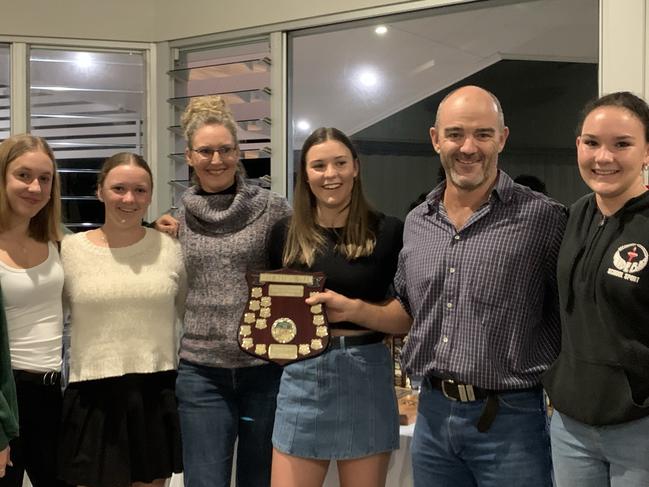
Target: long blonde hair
{"x": 305, "y": 238}
{"x": 46, "y": 224}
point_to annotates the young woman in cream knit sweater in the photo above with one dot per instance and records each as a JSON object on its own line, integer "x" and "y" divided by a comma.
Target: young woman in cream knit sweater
{"x": 124, "y": 283}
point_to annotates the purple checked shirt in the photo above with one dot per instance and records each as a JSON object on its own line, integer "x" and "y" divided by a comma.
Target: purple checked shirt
{"x": 484, "y": 298}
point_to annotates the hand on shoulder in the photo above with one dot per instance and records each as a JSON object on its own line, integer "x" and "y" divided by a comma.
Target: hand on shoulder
{"x": 167, "y": 224}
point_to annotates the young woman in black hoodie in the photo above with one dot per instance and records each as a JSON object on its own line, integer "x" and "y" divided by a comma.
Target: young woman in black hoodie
{"x": 600, "y": 383}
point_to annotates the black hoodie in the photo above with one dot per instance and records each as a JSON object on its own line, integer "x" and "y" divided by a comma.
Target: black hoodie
{"x": 601, "y": 376}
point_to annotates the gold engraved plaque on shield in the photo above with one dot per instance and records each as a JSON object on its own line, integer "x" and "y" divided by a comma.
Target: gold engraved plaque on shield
{"x": 277, "y": 325}
{"x": 286, "y": 290}
{"x": 296, "y": 278}
{"x": 285, "y": 352}
{"x": 283, "y": 330}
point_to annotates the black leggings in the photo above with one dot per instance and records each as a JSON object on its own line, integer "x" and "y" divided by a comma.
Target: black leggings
{"x": 35, "y": 450}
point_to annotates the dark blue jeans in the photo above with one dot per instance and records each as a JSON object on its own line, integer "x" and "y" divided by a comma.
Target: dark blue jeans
{"x": 449, "y": 451}
{"x": 217, "y": 406}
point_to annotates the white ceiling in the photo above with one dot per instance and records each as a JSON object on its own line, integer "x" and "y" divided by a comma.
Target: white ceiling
{"x": 421, "y": 56}
{"x": 417, "y": 57}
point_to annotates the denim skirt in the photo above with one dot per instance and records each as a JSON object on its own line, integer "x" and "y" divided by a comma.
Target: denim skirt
{"x": 339, "y": 405}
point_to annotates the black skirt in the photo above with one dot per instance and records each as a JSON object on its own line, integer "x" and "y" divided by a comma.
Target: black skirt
{"x": 120, "y": 430}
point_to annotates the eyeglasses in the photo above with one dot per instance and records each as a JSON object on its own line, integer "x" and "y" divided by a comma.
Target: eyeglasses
{"x": 208, "y": 153}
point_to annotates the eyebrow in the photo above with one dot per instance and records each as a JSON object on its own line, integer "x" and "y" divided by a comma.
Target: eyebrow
{"x": 617, "y": 137}
{"x": 26, "y": 168}
{"x": 342, "y": 156}
{"x": 483, "y": 130}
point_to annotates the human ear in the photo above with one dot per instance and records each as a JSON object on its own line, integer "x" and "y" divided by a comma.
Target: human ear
{"x": 434, "y": 138}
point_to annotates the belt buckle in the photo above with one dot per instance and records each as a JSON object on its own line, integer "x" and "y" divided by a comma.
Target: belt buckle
{"x": 49, "y": 378}
{"x": 464, "y": 390}
{"x": 446, "y": 395}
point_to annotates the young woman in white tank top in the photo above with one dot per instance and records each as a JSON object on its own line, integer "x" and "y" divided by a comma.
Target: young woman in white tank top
{"x": 31, "y": 278}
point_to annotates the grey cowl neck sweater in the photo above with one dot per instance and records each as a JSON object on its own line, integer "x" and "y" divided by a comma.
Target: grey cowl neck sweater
{"x": 217, "y": 214}
{"x": 223, "y": 236}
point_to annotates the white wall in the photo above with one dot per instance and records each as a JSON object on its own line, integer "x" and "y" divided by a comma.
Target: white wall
{"x": 161, "y": 20}
{"x": 125, "y": 20}
{"x": 623, "y": 49}
{"x": 176, "y": 20}
{"x": 623, "y": 46}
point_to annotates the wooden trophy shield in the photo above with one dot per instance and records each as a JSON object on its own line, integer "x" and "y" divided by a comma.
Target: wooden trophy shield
{"x": 277, "y": 325}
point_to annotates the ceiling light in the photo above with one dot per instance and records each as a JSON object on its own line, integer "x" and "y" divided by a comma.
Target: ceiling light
{"x": 368, "y": 78}
{"x": 381, "y": 30}
{"x": 303, "y": 125}
{"x": 83, "y": 60}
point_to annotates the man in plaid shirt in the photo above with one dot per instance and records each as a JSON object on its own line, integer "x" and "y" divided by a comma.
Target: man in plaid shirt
{"x": 477, "y": 280}
{"x": 477, "y": 274}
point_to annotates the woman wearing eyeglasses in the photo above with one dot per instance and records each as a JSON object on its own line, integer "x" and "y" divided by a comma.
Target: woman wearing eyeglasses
{"x": 223, "y": 393}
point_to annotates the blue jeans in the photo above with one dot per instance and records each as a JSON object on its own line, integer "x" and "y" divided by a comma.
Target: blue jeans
{"x": 217, "y": 405}
{"x": 449, "y": 451}
{"x": 600, "y": 456}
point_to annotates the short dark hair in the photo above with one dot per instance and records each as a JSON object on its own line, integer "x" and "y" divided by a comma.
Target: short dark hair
{"x": 622, "y": 99}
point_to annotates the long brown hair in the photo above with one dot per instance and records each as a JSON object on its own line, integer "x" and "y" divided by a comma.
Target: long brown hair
{"x": 46, "y": 224}
{"x": 305, "y": 238}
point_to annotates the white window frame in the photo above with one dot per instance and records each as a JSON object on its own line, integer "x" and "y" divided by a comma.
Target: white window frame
{"x": 19, "y": 59}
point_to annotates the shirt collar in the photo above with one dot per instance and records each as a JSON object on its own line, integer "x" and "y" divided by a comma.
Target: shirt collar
{"x": 503, "y": 190}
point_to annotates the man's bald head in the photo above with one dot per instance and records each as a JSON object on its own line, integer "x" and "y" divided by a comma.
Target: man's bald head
{"x": 472, "y": 94}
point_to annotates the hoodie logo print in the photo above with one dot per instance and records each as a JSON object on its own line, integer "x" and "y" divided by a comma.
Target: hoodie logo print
{"x": 629, "y": 259}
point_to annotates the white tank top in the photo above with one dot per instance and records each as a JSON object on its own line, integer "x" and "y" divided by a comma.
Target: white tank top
{"x": 32, "y": 302}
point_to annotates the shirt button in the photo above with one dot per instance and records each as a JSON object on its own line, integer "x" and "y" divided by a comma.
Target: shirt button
{"x": 452, "y": 270}
{"x": 445, "y": 339}
{"x": 449, "y": 305}
{"x": 457, "y": 237}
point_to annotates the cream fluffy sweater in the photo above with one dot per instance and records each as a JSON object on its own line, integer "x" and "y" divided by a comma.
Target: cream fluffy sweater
{"x": 123, "y": 305}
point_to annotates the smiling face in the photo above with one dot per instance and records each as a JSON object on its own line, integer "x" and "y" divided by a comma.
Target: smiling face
{"x": 611, "y": 151}
{"x": 126, "y": 194}
{"x": 29, "y": 184}
{"x": 330, "y": 173}
{"x": 468, "y": 136}
{"x": 217, "y": 172}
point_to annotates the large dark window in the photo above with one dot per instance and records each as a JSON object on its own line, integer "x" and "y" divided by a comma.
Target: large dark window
{"x": 380, "y": 81}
